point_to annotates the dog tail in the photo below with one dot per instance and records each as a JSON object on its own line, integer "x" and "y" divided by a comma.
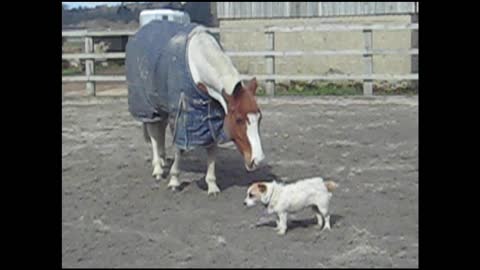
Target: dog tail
{"x": 331, "y": 186}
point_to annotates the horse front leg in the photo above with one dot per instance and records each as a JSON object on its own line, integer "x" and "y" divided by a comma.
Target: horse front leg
{"x": 210, "y": 178}
{"x": 156, "y": 133}
{"x": 173, "y": 184}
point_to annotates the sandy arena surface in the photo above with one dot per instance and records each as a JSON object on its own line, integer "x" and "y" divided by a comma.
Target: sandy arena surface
{"x": 114, "y": 214}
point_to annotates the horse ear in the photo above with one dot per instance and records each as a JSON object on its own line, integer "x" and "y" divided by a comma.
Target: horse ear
{"x": 228, "y": 99}
{"x": 252, "y": 85}
{"x": 237, "y": 89}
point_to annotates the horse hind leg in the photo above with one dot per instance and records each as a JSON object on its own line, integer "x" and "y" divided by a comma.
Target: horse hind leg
{"x": 155, "y": 131}
{"x": 174, "y": 183}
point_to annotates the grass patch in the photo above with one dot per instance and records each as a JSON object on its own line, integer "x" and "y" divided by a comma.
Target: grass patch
{"x": 322, "y": 91}
{"x": 408, "y": 91}
{"x": 339, "y": 88}
{"x": 71, "y": 71}
{"x": 314, "y": 91}
{"x": 115, "y": 67}
{"x": 261, "y": 92}
{"x": 319, "y": 89}
{"x": 70, "y": 47}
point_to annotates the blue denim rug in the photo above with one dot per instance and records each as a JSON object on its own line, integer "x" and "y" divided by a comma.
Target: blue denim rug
{"x": 160, "y": 85}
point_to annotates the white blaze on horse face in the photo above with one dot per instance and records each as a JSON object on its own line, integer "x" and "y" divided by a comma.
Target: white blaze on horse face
{"x": 254, "y": 138}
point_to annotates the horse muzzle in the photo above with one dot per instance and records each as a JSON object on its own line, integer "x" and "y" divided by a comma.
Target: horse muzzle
{"x": 253, "y": 165}
{"x": 250, "y": 167}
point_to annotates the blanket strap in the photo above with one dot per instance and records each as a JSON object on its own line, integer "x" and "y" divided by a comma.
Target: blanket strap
{"x": 181, "y": 105}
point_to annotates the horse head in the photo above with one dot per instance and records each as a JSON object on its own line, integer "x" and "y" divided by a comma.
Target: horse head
{"x": 242, "y": 122}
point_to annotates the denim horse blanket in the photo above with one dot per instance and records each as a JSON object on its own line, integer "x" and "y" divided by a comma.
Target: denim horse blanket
{"x": 161, "y": 86}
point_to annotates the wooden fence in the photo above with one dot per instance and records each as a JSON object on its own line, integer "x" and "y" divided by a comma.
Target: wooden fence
{"x": 270, "y": 77}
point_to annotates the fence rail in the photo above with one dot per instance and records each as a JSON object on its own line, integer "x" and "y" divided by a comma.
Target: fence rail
{"x": 280, "y": 29}
{"x": 68, "y": 56}
{"x": 262, "y": 77}
{"x": 270, "y": 77}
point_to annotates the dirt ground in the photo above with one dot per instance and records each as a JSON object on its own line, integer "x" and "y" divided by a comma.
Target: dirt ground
{"x": 114, "y": 214}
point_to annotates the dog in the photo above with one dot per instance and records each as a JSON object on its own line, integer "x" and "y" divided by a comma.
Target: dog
{"x": 282, "y": 199}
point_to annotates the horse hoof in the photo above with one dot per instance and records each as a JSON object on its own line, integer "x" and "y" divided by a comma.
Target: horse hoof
{"x": 213, "y": 194}
{"x": 157, "y": 173}
{"x": 213, "y": 190}
{"x": 173, "y": 188}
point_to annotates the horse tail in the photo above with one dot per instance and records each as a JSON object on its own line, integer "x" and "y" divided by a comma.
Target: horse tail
{"x": 146, "y": 136}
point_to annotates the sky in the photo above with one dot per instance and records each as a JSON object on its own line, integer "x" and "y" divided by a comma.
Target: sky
{"x": 89, "y": 4}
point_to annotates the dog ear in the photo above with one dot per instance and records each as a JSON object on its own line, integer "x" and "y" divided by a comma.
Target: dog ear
{"x": 262, "y": 188}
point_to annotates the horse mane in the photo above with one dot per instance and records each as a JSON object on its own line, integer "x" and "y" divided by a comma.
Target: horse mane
{"x": 216, "y": 59}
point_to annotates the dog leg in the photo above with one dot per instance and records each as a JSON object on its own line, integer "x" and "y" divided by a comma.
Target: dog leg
{"x": 282, "y": 223}
{"x": 327, "y": 222}
{"x": 323, "y": 217}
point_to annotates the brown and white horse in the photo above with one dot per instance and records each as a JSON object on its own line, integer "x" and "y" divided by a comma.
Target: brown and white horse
{"x": 214, "y": 73}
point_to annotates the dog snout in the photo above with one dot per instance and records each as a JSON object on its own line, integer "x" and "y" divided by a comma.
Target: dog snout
{"x": 244, "y": 203}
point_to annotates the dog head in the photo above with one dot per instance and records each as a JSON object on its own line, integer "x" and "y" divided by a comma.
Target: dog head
{"x": 260, "y": 191}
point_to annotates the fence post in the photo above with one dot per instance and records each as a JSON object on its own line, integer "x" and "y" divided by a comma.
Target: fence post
{"x": 414, "y": 45}
{"x": 368, "y": 60}
{"x": 89, "y": 66}
{"x": 270, "y": 63}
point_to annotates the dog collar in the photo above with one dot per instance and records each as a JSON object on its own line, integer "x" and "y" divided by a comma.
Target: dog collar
{"x": 270, "y": 199}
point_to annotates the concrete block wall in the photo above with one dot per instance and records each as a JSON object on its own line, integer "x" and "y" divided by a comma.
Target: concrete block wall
{"x": 306, "y": 41}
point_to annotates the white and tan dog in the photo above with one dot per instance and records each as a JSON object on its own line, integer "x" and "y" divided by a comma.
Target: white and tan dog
{"x": 282, "y": 199}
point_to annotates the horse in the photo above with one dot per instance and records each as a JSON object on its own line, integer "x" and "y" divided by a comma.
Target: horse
{"x": 179, "y": 75}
